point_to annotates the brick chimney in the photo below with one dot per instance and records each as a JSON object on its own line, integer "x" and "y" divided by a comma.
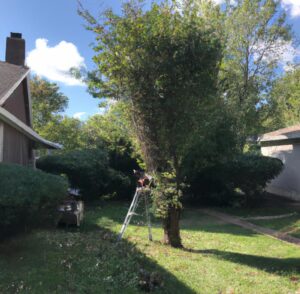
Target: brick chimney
{"x": 15, "y": 49}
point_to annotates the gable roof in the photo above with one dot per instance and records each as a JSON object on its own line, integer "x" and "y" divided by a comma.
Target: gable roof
{"x": 11, "y": 77}
{"x": 282, "y": 136}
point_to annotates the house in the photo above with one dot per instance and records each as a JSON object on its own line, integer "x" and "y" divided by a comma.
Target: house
{"x": 17, "y": 138}
{"x": 285, "y": 145}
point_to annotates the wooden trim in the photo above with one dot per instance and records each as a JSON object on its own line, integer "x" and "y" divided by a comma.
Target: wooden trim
{"x": 13, "y": 121}
{"x": 13, "y": 88}
{"x": 1, "y": 141}
{"x": 29, "y": 101}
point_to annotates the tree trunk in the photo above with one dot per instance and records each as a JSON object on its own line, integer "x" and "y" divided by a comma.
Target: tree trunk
{"x": 171, "y": 227}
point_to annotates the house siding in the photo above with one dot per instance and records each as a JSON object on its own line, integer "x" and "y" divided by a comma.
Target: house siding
{"x": 18, "y": 105}
{"x": 17, "y": 148}
{"x": 287, "y": 184}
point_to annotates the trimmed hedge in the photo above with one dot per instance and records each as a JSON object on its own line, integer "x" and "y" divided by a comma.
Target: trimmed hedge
{"x": 251, "y": 173}
{"x": 28, "y": 198}
{"x": 89, "y": 171}
{"x": 218, "y": 183}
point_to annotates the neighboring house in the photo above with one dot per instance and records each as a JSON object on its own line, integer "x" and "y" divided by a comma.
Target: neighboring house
{"x": 17, "y": 138}
{"x": 285, "y": 145}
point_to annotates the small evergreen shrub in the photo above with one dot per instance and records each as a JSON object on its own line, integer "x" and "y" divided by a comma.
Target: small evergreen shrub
{"x": 28, "y": 198}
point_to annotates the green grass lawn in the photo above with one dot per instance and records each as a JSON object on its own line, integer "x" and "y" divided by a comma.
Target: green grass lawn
{"x": 289, "y": 225}
{"x": 218, "y": 258}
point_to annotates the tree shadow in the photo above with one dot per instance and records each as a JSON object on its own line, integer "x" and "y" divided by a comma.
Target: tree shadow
{"x": 280, "y": 266}
{"x": 23, "y": 259}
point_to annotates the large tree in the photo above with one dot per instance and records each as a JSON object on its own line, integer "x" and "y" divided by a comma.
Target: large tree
{"x": 112, "y": 127}
{"x": 47, "y": 101}
{"x": 64, "y": 130}
{"x": 164, "y": 62}
{"x": 285, "y": 101}
{"x": 256, "y": 36}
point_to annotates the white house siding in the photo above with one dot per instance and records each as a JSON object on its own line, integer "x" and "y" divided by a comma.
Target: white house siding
{"x": 288, "y": 182}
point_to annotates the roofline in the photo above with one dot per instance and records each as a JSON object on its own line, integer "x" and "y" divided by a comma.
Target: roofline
{"x": 13, "y": 121}
{"x": 29, "y": 100}
{"x": 13, "y": 88}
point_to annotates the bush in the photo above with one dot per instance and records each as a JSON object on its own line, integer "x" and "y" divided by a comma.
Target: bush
{"x": 217, "y": 184}
{"x": 251, "y": 173}
{"x": 87, "y": 170}
{"x": 121, "y": 160}
{"x": 28, "y": 197}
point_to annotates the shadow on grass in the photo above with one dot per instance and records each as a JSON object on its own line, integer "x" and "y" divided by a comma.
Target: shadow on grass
{"x": 85, "y": 260}
{"x": 149, "y": 272}
{"x": 280, "y": 266}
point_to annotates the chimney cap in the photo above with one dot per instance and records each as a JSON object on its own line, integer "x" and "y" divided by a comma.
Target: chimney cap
{"x": 16, "y": 35}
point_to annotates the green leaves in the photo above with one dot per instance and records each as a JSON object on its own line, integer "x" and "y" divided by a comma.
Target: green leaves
{"x": 256, "y": 32}
{"x": 164, "y": 63}
{"x": 46, "y": 101}
{"x": 28, "y": 197}
{"x": 285, "y": 101}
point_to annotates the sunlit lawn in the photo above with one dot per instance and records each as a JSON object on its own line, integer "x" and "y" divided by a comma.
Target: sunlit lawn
{"x": 288, "y": 225}
{"x": 218, "y": 258}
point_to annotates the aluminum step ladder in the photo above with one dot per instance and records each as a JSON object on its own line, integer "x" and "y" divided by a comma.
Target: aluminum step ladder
{"x": 138, "y": 197}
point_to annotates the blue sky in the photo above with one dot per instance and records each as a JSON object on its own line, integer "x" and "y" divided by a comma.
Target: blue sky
{"x": 57, "y": 21}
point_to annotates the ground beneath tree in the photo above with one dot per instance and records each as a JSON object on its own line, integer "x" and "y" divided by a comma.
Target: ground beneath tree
{"x": 217, "y": 258}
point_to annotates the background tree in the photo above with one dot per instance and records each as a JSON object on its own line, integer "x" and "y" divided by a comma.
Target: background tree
{"x": 111, "y": 131}
{"x": 256, "y": 37}
{"x": 111, "y": 127}
{"x": 64, "y": 130}
{"x": 285, "y": 101}
{"x": 47, "y": 105}
{"x": 47, "y": 101}
{"x": 165, "y": 63}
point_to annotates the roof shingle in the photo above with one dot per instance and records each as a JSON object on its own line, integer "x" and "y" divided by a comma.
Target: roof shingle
{"x": 10, "y": 74}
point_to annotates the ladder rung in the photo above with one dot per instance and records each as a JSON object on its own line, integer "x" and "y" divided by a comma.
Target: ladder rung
{"x": 133, "y": 213}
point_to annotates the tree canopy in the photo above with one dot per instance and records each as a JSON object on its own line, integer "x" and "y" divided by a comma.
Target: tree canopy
{"x": 47, "y": 101}
{"x": 256, "y": 36}
{"x": 165, "y": 62}
{"x": 285, "y": 100}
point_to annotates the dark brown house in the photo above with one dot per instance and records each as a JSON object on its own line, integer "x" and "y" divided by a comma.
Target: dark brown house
{"x": 17, "y": 138}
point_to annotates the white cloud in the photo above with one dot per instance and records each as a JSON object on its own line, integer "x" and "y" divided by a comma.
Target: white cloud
{"x": 55, "y": 62}
{"x": 293, "y": 6}
{"x": 281, "y": 51}
{"x": 79, "y": 115}
{"x": 289, "y": 54}
{"x": 219, "y": 1}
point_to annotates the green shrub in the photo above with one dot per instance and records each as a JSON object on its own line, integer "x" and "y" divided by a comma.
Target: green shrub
{"x": 251, "y": 173}
{"x": 28, "y": 197}
{"x": 87, "y": 170}
{"x": 210, "y": 186}
{"x": 122, "y": 161}
{"x": 217, "y": 184}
